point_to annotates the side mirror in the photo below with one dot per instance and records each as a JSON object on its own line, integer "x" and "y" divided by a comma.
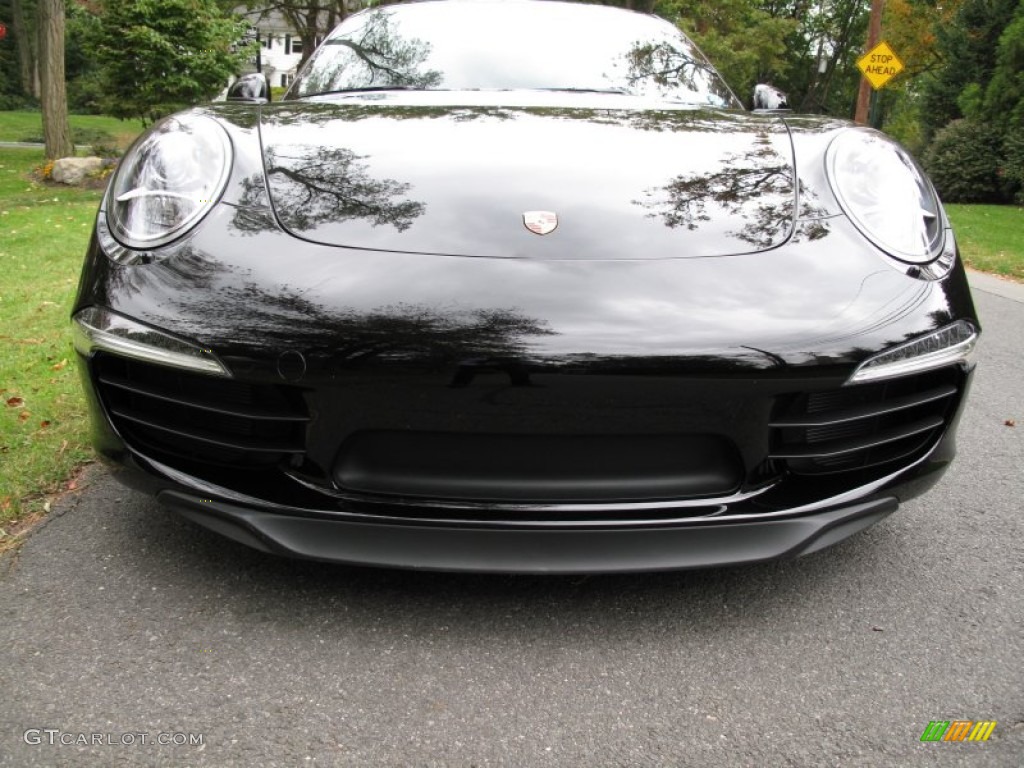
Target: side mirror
{"x": 769, "y": 98}
{"x": 250, "y": 89}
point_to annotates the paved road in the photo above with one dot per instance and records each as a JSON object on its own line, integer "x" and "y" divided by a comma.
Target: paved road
{"x": 118, "y": 619}
{"x": 35, "y": 145}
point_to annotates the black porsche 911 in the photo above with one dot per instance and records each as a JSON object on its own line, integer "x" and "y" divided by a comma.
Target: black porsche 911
{"x": 521, "y": 286}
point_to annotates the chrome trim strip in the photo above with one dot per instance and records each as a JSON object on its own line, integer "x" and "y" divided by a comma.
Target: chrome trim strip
{"x": 403, "y": 501}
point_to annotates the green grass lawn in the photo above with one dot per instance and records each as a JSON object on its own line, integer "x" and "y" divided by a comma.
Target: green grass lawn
{"x": 85, "y": 129}
{"x": 43, "y": 236}
{"x": 991, "y": 237}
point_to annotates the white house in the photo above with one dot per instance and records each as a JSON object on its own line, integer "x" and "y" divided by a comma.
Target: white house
{"x": 280, "y": 47}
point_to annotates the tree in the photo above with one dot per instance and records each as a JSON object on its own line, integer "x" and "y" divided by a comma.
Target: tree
{"x": 909, "y": 26}
{"x": 160, "y": 56}
{"x": 967, "y": 47}
{"x": 745, "y": 42}
{"x": 1003, "y": 104}
{"x": 975, "y": 95}
{"x": 823, "y": 54}
{"x": 84, "y": 74}
{"x": 25, "y": 80}
{"x": 1003, "y": 101}
{"x": 805, "y": 47}
{"x": 53, "y": 97}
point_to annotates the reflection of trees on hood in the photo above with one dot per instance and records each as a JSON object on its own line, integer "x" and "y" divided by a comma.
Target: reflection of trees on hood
{"x": 410, "y": 332}
{"x": 755, "y": 186}
{"x": 378, "y": 57}
{"x": 314, "y": 185}
{"x": 249, "y": 316}
{"x": 219, "y": 303}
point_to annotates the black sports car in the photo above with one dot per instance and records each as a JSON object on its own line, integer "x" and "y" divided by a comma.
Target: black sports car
{"x": 521, "y": 286}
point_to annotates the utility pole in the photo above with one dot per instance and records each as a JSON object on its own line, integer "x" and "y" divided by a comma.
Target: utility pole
{"x": 874, "y": 35}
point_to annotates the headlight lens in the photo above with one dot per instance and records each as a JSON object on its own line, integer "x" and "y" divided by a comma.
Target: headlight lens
{"x": 886, "y": 195}
{"x": 951, "y": 344}
{"x": 169, "y": 181}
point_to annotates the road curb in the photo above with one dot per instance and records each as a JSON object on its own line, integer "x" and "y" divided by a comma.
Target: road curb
{"x": 1007, "y": 289}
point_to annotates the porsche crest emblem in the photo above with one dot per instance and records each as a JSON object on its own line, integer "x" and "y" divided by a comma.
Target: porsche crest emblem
{"x": 540, "y": 222}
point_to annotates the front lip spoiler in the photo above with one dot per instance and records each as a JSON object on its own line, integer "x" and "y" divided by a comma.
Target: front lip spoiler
{"x": 529, "y": 550}
{"x": 700, "y": 510}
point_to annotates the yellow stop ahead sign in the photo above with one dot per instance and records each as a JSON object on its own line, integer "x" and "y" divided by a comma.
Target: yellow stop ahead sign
{"x": 880, "y": 65}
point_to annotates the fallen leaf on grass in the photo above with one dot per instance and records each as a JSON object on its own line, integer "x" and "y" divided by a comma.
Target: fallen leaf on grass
{"x": 59, "y": 366}
{"x": 63, "y": 447}
{"x": 15, "y": 402}
{"x": 24, "y": 415}
{"x": 44, "y": 424}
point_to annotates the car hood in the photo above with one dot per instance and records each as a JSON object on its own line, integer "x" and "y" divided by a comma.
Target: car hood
{"x": 622, "y": 184}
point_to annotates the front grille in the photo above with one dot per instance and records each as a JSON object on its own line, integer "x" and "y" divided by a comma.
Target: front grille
{"x": 863, "y": 426}
{"x": 201, "y": 418}
{"x": 545, "y": 468}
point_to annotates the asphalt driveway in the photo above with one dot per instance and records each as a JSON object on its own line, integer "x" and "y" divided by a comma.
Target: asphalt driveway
{"x": 122, "y": 626}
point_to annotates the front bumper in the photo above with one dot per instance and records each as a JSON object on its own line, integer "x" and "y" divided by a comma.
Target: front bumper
{"x": 784, "y": 507}
{"x": 369, "y": 419}
{"x": 529, "y": 550}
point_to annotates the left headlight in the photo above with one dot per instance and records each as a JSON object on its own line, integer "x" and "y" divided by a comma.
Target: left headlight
{"x": 169, "y": 181}
{"x": 886, "y": 195}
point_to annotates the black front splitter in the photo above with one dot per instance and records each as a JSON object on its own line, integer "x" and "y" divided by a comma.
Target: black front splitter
{"x": 530, "y": 549}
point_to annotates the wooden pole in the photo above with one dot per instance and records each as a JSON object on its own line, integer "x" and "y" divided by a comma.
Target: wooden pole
{"x": 874, "y": 35}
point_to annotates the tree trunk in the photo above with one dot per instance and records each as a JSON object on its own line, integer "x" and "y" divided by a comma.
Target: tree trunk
{"x": 23, "y": 39}
{"x": 53, "y": 98}
{"x": 310, "y": 31}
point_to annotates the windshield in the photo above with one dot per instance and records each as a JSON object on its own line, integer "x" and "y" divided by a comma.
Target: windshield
{"x": 512, "y": 46}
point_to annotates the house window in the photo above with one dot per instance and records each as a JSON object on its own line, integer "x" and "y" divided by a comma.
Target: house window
{"x": 286, "y": 80}
{"x": 296, "y": 46}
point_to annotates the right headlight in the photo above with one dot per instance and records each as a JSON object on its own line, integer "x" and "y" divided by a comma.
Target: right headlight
{"x": 169, "y": 181}
{"x": 886, "y": 195}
